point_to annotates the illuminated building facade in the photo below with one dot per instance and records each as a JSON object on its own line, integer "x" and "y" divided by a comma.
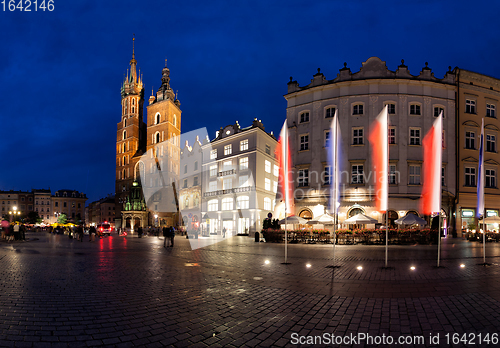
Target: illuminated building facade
{"x": 413, "y": 103}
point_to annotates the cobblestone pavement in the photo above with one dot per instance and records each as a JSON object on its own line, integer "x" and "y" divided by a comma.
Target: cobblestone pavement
{"x": 126, "y": 291}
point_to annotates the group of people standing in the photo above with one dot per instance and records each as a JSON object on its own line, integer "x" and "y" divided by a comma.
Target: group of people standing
{"x": 11, "y": 232}
{"x": 168, "y": 236}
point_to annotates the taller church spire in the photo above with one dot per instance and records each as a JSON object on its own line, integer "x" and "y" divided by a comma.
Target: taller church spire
{"x": 133, "y": 63}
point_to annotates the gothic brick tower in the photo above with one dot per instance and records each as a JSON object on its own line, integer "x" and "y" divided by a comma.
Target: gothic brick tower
{"x": 130, "y": 135}
{"x": 163, "y": 140}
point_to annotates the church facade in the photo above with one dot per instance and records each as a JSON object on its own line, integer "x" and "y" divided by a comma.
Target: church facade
{"x": 147, "y": 154}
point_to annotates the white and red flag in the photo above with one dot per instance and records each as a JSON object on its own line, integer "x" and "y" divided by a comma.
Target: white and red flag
{"x": 431, "y": 180}
{"x": 285, "y": 180}
{"x": 380, "y": 159}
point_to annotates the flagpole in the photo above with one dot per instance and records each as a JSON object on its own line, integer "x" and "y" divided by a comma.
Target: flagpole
{"x": 334, "y": 186}
{"x": 387, "y": 207}
{"x": 484, "y": 233}
{"x": 285, "y": 144}
{"x": 439, "y": 234}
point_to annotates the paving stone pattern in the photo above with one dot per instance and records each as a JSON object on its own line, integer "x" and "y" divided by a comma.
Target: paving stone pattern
{"x": 131, "y": 292}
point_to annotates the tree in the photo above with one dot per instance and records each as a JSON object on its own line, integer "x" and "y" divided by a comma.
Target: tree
{"x": 62, "y": 219}
{"x": 34, "y": 218}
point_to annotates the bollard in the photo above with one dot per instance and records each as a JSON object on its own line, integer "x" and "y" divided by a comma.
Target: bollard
{"x": 257, "y": 237}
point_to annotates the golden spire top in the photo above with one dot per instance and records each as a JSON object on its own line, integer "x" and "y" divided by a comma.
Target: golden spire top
{"x": 133, "y": 47}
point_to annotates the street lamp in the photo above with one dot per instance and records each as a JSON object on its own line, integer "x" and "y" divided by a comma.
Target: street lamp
{"x": 13, "y": 212}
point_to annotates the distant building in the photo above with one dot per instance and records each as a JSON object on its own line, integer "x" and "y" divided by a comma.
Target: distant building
{"x": 68, "y": 202}
{"x": 239, "y": 179}
{"x": 477, "y": 99}
{"x": 101, "y": 211}
{"x": 48, "y": 206}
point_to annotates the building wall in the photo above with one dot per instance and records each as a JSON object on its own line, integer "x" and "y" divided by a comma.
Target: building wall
{"x": 482, "y": 90}
{"x": 239, "y": 219}
{"x": 373, "y": 87}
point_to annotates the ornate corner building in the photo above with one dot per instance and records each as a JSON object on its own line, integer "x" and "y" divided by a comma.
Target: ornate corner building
{"x": 414, "y": 101}
{"x": 139, "y": 144}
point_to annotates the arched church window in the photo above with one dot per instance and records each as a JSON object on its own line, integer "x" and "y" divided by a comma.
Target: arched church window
{"x": 125, "y": 123}
{"x": 157, "y": 137}
{"x": 157, "y": 118}
{"x": 133, "y": 109}
{"x": 174, "y": 121}
{"x": 124, "y": 135}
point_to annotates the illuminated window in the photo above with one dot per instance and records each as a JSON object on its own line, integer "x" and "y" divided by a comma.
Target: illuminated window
{"x": 244, "y": 145}
{"x": 242, "y": 202}
{"x": 228, "y": 149}
{"x": 227, "y": 184}
{"x": 276, "y": 170}
{"x": 227, "y": 203}
{"x": 212, "y": 186}
{"x": 213, "y": 170}
{"x": 268, "y": 184}
{"x": 213, "y": 205}
{"x": 267, "y": 203}
{"x": 243, "y": 181}
{"x": 213, "y": 154}
{"x": 244, "y": 163}
{"x": 267, "y": 166}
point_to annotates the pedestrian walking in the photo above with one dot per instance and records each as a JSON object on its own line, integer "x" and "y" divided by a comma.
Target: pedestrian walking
{"x": 139, "y": 232}
{"x": 22, "y": 230}
{"x": 91, "y": 233}
{"x": 166, "y": 236}
{"x": 17, "y": 235}
{"x": 79, "y": 230}
{"x": 224, "y": 232}
{"x": 172, "y": 236}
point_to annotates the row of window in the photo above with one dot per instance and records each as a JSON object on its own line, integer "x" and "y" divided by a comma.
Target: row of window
{"x": 470, "y": 108}
{"x": 242, "y": 202}
{"x": 228, "y": 149}
{"x": 357, "y": 137}
{"x": 490, "y": 141}
{"x": 157, "y": 119}
{"x": 357, "y": 109}
{"x": 357, "y": 175}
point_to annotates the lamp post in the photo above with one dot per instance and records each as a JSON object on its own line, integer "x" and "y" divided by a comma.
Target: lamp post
{"x": 14, "y": 212}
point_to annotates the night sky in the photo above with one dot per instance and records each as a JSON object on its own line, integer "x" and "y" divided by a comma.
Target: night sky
{"x": 61, "y": 71}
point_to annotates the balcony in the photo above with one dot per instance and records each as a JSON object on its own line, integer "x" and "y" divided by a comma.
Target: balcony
{"x": 226, "y": 172}
{"x": 224, "y": 192}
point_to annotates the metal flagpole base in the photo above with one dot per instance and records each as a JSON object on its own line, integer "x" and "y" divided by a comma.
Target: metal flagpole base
{"x": 333, "y": 266}
{"x": 387, "y": 267}
{"x": 484, "y": 264}
{"x": 438, "y": 266}
{"x": 286, "y": 263}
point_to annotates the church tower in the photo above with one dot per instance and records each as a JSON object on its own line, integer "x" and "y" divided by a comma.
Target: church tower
{"x": 130, "y": 135}
{"x": 163, "y": 139}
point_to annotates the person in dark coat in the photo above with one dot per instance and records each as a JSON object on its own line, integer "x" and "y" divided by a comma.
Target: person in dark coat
{"x": 79, "y": 230}
{"x": 172, "y": 236}
{"x": 166, "y": 236}
{"x": 139, "y": 232}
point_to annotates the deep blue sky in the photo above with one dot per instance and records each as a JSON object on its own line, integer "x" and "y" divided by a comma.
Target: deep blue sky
{"x": 61, "y": 71}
